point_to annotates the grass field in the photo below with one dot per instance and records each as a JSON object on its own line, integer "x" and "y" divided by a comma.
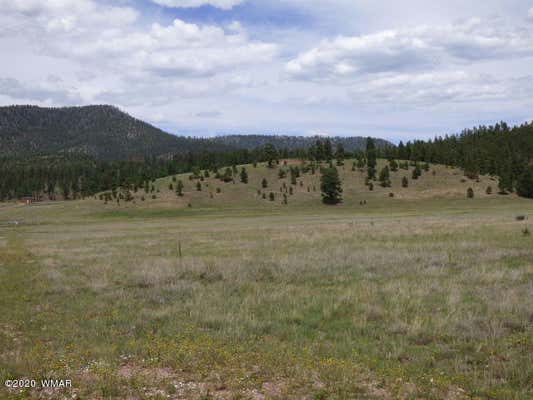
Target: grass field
{"x": 425, "y": 295}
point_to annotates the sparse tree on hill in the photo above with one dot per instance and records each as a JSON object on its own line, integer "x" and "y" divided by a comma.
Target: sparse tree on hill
{"x": 228, "y": 175}
{"x": 244, "y": 175}
{"x": 339, "y": 154}
{"x": 331, "y": 187}
{"x": 470, "y": 193}
{"x": 264, "y": 183}
{"x": 417, "y": 172}
{"x": 405, "y": 182}
{"x": 271, "y": 154}
{"x": 371, "y": 158}
{"x": 179, "y": 189}
{"x": 384, "y": 177}
{"x": 272, "y": 196}
{"x": 199, "y": 186}
{"x": 393, "y": 165}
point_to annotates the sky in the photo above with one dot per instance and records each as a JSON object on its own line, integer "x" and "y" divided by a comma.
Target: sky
{"x": 399, "y": 70}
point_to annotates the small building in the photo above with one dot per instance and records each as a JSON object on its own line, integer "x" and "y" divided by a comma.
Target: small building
{"x": 27, "y": 200}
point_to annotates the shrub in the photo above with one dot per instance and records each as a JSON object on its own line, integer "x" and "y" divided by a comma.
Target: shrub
{"x": 272, "y": 196}
{"x": 405, "y": 182}
{"x": 488, "y": 190}
{"x": 470, "y": 193}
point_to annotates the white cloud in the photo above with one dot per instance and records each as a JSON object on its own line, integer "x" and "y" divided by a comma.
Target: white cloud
{"x": 223, "y": 4}
{"x": 530, "y": 13}
{"x": 419, "y": 48}
{"x": 429, "y": 89}
{"x": 181, "y": 56}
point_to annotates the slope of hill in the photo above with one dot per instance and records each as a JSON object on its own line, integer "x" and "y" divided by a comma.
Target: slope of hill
{"x": 106, "y": 133}
{"x": 293, "y": 142}
{"x": 103, "y": 132}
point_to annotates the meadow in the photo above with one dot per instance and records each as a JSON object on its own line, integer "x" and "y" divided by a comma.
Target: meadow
{"x": 424, "y": 295}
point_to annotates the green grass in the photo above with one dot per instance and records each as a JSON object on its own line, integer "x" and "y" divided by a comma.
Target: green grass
{"x": 426, "y": 295}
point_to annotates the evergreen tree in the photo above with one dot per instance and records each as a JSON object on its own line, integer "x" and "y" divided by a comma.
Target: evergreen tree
{"x": 371, "y": 158}
{"x": 331, "y": 187}
{"x": 524, "y": 186}
{"x": 339, "y": 154}
{"x": 328, "y": 150}
{"x": 405, "y": 182}
{"x": 264, "y": 183}
{"x": 179, "y": 189}
{"x": 271, "y": 154}
{"x": 470, "y": 193}
{"x": 393, "y": 165}
{"x": 417, "y": 172}
{"x": 244, "y": 175}
{"x": 272, "y": 196}
{"x": 199, "y": 186}
{"x": 384, "y": 177}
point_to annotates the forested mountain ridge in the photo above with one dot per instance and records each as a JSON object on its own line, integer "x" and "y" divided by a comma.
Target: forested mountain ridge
{"x": 106, "y": 133}
{"x": 101, "y": 131}
{"x": 250, "y": 142}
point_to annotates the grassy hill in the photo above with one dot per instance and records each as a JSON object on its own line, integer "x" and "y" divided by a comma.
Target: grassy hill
{"x": 426, "y": 295}
{"x": 438, "y": 183}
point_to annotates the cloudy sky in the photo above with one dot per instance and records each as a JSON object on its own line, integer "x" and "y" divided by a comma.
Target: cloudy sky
{"x": 395, "y": 69}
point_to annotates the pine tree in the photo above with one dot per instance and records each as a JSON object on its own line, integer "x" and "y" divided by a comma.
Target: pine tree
{"x": 470, "y": 193}
{"x": 524, "y": 186}
{"x": 405, "y": 182}
{"x": 371, "y": 158}
{"x": 264, "y": 183}
{"x": 199, "y": 186}
{"x": 331, "y": 187}
{"x": 244, "y": 175}
{"x": 417, "y": 172}
{"x": 328, "y": 150}
{"x": 384, "y": 177}
{"x": 270, "y": 154}
{"x": 179, "y": 189}
{"x": 272, "y": 196}
{"x": 393, "y": 165}
{"x": 339, "y": 154}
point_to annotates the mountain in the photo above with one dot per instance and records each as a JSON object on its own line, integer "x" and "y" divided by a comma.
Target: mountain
{"x": 101, "y": 131}
{"x": 105, "y": 132}
{"x": 251, "y": 142}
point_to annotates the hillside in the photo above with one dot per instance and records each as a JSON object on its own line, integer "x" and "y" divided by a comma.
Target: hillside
{"x": 103, "y": 132}
{"x": 107, "y": 133}
{"x": 439, "y": 183}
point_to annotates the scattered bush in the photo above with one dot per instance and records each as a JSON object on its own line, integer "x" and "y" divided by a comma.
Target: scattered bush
{"x": 470, "y": 193}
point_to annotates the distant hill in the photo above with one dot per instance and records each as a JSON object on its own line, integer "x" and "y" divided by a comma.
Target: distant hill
{"x": 251, "y": 142}
{"x": 106, "y": 133}
{"x": 103, "y": 132}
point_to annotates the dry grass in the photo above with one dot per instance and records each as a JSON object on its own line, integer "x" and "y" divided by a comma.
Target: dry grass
{"x": 418, "y": 298}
